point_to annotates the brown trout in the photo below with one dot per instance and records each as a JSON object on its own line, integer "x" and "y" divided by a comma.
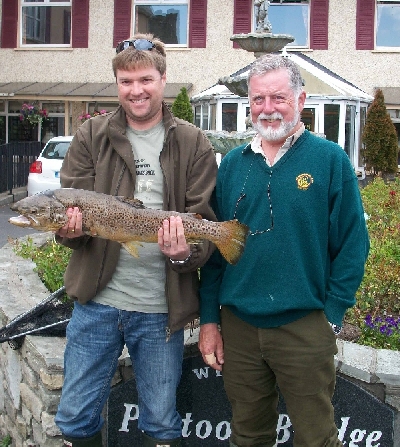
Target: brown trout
{"x": 125, "y": 220}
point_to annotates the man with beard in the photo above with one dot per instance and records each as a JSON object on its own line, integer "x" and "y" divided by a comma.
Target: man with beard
{"x": 302, "y": 265}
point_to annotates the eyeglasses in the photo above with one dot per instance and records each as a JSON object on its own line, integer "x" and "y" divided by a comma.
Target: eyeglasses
{"x": 138, "y": 44}
{"x": 243, "y": 195}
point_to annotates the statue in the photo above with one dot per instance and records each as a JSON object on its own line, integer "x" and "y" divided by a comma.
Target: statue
{"x": 261, "y": 15}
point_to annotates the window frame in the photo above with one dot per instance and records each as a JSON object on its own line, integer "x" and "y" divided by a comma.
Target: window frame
{"x": 43, "y": 4}
{"x": 164, "y": 3}
{"x": 308, "y": 30}
{"x": 383, "y": 47}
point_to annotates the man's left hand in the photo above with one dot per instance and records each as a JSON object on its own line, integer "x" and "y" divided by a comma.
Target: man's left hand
{"x": 171, "y": 239}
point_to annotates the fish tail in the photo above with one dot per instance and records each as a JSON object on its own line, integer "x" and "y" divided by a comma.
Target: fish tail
{"x": 233, "y": 240}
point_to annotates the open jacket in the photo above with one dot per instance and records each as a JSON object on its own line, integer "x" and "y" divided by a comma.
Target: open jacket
{"x": 100, "y": 159}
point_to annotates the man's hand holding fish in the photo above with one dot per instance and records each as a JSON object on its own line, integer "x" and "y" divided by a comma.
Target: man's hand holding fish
{"x": 73, "y": 228}
{"x": 172, "y": 241}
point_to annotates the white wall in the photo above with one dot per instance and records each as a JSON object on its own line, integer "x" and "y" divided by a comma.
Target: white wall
{"x": 201, "y": 67}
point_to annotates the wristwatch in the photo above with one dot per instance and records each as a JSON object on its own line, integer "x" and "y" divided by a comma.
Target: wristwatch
{"x": 184, "y": 261}
{"x": 336, "y": 329}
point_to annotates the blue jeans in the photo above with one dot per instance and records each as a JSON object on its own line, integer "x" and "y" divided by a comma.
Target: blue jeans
{"x": 96, "y": 336}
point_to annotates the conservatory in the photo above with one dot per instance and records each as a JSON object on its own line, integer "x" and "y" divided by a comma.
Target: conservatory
{"x": 334, "y": 108}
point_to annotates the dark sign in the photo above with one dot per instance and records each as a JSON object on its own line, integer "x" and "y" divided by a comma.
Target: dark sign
{"x": 361, "y": 418}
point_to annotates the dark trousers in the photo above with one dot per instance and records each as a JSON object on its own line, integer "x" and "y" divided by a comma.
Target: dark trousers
{"x": 299, "y": 358}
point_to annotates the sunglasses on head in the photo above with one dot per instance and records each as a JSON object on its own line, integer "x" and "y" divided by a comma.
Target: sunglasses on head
{"x": 138, "y": 44}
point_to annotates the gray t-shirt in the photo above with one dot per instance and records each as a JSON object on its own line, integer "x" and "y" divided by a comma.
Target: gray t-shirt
{"x": 138, "y": 284}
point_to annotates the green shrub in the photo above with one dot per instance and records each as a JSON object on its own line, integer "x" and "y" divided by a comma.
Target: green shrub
{"x": 380, "y": 138}
{"x": 51, "y": 260}
{"x": 378, "y": 304}
{"x": 5, "y": 442}
{"x": 181, "y": 107}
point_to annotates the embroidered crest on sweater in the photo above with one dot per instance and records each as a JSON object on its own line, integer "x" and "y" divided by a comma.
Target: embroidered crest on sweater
{"x": 304, "y": 181}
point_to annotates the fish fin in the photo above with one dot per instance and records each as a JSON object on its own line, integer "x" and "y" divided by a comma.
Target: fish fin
{"x": 132, "y": 248}
{"x": 233, "y": 241}
{"x": 131, "y": 201}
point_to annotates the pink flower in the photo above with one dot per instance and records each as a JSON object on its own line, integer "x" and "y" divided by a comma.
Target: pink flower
{"x": 86, "y": 116}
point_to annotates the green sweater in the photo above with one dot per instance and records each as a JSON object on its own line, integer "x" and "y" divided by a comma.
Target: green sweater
{"x": 314, "y": 253}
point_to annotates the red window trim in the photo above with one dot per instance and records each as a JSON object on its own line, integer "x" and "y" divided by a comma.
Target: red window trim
{"x": 365, "y": 25}
{"x": 123, "y": 16}
{"x": 9, "y": 24}
{"x": 79, "y": 31}
{"x": 80, "y": 24}
{"x": 319, "y": 24}
{"x": 242, "y": 16}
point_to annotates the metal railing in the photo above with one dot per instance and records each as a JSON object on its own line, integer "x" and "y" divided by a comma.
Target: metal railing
{"x": 15, "y": 159}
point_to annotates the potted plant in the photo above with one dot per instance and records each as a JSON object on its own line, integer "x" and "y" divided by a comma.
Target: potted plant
{"x": 32, "y": 114}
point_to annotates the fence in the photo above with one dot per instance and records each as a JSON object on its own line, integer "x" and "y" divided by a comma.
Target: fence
{"x": 15, "y": 159}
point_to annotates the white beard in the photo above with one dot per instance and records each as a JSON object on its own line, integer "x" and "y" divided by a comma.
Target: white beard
{"x": 284, "y": 129}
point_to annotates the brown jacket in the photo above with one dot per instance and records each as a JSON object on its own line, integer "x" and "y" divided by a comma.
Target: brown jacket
{"x": 100, "y": 158}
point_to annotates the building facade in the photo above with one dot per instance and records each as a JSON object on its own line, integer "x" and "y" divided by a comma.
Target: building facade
{"x": 57, "y": 54}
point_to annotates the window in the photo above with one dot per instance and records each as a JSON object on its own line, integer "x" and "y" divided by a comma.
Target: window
{"x": 55, "y": 124}
{"x": 387, "y": 23}
{"x": 350, "y": 131}
{"x": 166, "y": 19}
{"x": 305, "y": 20}
{"x": 291, "y": 17}
{"x": 213, "y": 116}
{"x": 19, "y": 130}
{"x": 45, "y": 23}
{"x": 308, "y": 118}
{"x": 197, "y": 116}
{"x": 202, "y": 116}
{"x": 2, "y": 122}
{"x": 363, "y": 120}
{"x": 331, "y": 122}
{"x": 229, "y": 116}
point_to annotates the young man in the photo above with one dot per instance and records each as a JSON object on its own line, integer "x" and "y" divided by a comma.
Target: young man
{"x": 303, "y": 262}
{"x": 139, "y": 150}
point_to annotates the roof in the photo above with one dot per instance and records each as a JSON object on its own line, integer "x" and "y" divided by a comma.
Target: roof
{"x": 391, "y": 94}
{"x": 319, "y": 81}
{"x": 74, "y": 90}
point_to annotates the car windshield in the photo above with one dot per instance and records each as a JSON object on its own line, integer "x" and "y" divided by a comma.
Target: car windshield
{"x": 56, "y": 150}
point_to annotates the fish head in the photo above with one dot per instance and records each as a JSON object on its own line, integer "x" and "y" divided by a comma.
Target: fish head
{"x": 41, "y": 211}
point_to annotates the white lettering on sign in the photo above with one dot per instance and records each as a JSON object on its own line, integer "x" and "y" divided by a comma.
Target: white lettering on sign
{"x": 204, "y": 429}
{"x": 202, "y": 372}
{"x": 128, "y": 417}
{"x": 357, "y": 435}
{"x": 283, "y": 426}
{"x": 223, "y": 427}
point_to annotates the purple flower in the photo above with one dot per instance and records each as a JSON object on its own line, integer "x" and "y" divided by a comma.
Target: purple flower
{"x": 369, "y": 322}
{"x": 384, "y": 330}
